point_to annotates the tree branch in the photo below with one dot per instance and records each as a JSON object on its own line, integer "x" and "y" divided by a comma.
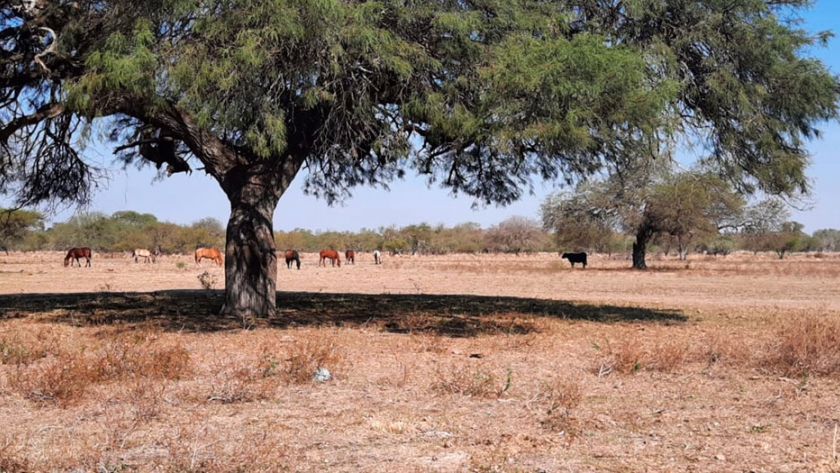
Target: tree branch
{"x": 43, "y": 113}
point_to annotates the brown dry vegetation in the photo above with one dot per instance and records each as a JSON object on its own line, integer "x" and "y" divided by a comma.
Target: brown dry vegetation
{"x": 450, "y": 363}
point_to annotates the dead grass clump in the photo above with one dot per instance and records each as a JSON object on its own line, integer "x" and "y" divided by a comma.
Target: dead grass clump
{"x": 668, "y": 356}
{"x": 562, "y": 395}
{"x": 15, "y": 352}
{"x": 307, "y": 355}
{"x": 9, "y": 462}
{"x": 190, "y": 449}
{"x": 472, "y": 381}
{"x": 624, "y": 356}
{"x": 805, "y": 344}
{"x": 141, "y": 354}
{"x": 22, "y": 345}
{"x": 726, "y": 348}
{"x": 61, "y": 379}
{"x": 243, "y": 382}
{"x": 65, "y": 376}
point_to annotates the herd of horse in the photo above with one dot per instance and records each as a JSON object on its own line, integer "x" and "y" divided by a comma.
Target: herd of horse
{"x": 292, "y": 257}
{"x": 213, "y": 254}
{"x": 148, "y": 256}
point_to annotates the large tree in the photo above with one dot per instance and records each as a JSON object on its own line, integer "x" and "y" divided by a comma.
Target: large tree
{"x": 479, "y": 96}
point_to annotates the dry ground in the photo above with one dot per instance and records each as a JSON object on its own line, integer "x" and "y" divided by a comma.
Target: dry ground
{"x": 450, "y": 363}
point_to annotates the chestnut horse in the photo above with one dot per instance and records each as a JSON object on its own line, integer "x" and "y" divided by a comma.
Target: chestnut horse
{"x": 209, "y": 253}
{"x": 331, "y": 255}
{"x": 351, "y": 256}
{"x": 76, "y": 253}
{"x": 292, "y": 256}
{"x": 143, "y": 253}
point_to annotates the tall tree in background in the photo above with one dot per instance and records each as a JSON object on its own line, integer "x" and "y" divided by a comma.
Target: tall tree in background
{"x": 493, "y": 93}
{"x": 516, "y": 234}
{"x": 15, "y": 225}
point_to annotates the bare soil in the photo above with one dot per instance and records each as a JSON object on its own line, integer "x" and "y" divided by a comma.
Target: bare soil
{"x": 439, "y": 363}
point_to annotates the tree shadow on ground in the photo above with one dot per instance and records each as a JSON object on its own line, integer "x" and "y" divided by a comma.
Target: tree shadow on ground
{"x": 198, "y": 311}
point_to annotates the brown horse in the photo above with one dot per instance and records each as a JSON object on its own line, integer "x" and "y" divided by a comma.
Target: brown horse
{"x": 76, "y": 253}
{"x": 143, "y": 253}
{"x": 291, "y": 257}
{"x": 209, "y": 253}
{"x": 331, "y": 255}
{"x": 351, "y": 256}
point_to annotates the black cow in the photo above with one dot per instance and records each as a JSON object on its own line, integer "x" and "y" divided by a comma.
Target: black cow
{"x": 575, "y": 258}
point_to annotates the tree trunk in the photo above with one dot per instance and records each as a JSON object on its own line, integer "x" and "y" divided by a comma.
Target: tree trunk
{"x": 250, "y": 252}
{"x": 640, "y": 248}
{"x": 250, "y": 262}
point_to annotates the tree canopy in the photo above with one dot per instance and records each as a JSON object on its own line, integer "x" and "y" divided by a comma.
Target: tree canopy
{"x": 478, "y": 96}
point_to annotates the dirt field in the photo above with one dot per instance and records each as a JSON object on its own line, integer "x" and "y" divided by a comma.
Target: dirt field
{"x": 444, "y": 363}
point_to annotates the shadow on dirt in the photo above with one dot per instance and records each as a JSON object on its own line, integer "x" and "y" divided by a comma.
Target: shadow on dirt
{"x": 198, "y": 311}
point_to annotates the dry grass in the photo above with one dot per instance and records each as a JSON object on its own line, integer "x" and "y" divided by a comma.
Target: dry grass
{"x": 472, "y": 363}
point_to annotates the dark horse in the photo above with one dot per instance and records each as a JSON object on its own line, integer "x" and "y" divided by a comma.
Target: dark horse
{"x": 331, "y": 255}
{"x": 76, "y": 253}
{"x": 292, "y": 256}
{"x": 351, "y": 256}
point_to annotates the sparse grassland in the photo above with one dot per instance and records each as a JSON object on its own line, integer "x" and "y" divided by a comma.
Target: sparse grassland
{"x": 445, "y": 363}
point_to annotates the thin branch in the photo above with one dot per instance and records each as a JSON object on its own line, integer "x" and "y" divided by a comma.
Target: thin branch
{"x": 43, "y": 113}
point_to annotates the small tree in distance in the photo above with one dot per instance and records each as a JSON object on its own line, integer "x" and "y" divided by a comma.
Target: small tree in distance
{"x": 515, "y": 235}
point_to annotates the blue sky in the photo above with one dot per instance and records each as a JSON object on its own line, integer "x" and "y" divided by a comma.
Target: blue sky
{"x": 185, "y": 199}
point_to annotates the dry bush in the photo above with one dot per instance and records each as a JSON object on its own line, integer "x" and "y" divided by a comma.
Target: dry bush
{"x": 726, "y": 347}
{"x": 9, "y": 461}
{"x": 208, "y": 281}
{"x": 189, "y": 450}
{"x": 668, "y": 356}
{"x": 805, "y": 344}
{"x": 307, "y": 355}
{"x": 64, "y": 377}
{"x": 141, "y": 354}
{"x": 624, "y": 356}
{"x": 472, "y": 381}
{"x": 562, "y": 395}
{"x": 243, "y": 381}
{"x": 25, "y": 346}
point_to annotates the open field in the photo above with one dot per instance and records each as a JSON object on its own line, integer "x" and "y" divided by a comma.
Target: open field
{"x": 440, "y": 363}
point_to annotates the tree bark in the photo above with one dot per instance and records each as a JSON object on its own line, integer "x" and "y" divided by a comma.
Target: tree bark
{"x": 250, "y": 253}
{"x": 250, "y": 262}
{"x": 640, "y": 248}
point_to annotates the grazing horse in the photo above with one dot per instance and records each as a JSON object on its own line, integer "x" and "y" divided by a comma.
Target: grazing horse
{"x": 377, "y": 257}
{"x": 351, "y": 256}
{"x": 292, "y": 256}
{"x": 209, "y": 253}
{"x": 331, "y": 255}
{"x": 76, "y": 253}
{"x": 143, "y": 253}
{"x": 575, "y": 258}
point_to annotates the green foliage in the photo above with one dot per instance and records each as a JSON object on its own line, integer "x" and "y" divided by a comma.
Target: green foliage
{"x": 16, "y": 226}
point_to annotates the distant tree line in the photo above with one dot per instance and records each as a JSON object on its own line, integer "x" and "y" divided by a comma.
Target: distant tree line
{"x": 121, "y": 231}
{"x": 691, "y": 220}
